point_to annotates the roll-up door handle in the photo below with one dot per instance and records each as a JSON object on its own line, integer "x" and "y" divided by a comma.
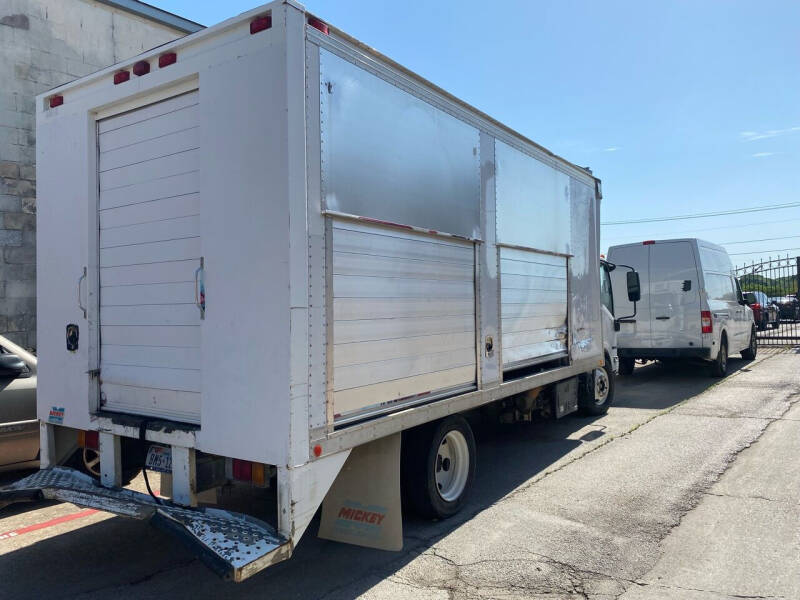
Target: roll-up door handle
{"x": 200, "y": 288}
{"x": 662, "y": 318}
{"x": 80, "y": 299}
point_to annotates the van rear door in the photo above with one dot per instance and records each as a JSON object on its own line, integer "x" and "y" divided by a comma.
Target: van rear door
{"x": 674, "y": 296}
{"x": 634, "y": 332}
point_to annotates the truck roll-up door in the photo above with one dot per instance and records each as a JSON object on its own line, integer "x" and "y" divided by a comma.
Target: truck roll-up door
{"x": 150, "y": 252}
{"x": 404, "y": 317}
{"x": 533, "y": 306}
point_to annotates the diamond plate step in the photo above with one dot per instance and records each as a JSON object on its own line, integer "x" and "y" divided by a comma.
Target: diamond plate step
{"x": 234, "y": 545}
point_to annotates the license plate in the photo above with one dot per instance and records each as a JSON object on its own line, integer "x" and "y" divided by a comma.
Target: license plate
{"x": 159, "y": 459}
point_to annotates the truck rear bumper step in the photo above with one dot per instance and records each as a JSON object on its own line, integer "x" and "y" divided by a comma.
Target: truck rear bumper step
{"x": 233, "y": 545}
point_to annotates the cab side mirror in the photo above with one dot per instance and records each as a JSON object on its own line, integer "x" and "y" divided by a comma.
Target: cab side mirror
{"x": 634, "y": 288}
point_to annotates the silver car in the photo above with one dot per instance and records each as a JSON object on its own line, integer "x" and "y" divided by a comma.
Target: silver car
{"x": 19, "y": 428}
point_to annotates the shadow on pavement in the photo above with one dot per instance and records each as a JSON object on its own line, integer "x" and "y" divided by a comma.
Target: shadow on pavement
{"x": 685, "y": 379}
{"x": 138, "y": 561}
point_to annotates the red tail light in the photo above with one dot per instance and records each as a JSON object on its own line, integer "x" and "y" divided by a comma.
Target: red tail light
{"x": 705, "y": 321}
{"x": 121, "y": 77}
{"x": 244, "y": 470}
{"x": 56, "y": 101}
{"x": 89, "y": 439}
{"x": 755, "y": 306}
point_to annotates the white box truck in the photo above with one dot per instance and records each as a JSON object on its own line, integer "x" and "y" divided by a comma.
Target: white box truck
{"x": 692, "y": 306}
{"x": 268, "y": 253}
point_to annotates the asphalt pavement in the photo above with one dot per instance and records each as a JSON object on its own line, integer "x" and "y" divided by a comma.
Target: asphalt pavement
{"x": 688, "y": 488}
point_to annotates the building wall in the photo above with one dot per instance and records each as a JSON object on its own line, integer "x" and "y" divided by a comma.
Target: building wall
{"x": 43, "y": 44}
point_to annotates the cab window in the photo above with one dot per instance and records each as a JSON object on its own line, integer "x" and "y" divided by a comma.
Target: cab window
{"x": 606, "y": 296}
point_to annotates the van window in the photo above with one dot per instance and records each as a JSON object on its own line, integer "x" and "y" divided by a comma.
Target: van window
{"x": 720, "y": 287}
{"x": 606, "y": 295}
{"x": 715, "y": 260}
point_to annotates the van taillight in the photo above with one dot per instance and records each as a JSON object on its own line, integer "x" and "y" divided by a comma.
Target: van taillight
{"x": 705, "y": 321}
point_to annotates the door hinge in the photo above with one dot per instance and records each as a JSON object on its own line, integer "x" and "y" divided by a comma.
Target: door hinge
{"x": 93, "y": 373}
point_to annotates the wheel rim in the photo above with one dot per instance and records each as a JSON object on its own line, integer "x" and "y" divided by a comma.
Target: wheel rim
{"x": 601, "y": 386}
{"x": 452, "y": 466}
{"x": 91, "y": 461}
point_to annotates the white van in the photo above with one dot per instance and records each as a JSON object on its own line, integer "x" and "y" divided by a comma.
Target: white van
{"x": 691, "y": 304}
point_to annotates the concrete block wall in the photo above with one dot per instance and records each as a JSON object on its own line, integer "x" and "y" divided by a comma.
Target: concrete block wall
{"x": 43, "y": 44}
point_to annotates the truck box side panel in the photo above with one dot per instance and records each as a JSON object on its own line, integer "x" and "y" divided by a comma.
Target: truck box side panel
{"x": 404, "y": 315}
{"x": 149, "y": 254}
{"x": 391, "y": 156}
{"x": 586, "y": 329}
{"x": 66, "y": 203}
{"x": 245, "y": 220}
{"x": 533, "y": 215}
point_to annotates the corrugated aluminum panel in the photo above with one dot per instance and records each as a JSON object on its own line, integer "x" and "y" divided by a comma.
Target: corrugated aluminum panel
{"x": 149, "y": 251}
{"x": 388, "y": 155}
{"x": 404, "y": 315}
{"x": 533, "y": 305}
{"x": 533, "y": 202}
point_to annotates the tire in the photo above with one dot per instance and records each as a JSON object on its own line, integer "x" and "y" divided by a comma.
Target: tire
{"x": 626, "y": 366}
{"x": 719, "y": 368}
{"x": 87, "y": 460}
{"x": 600, "y": 391}
{"x": 750, "y": 352}
{"x": 438, "y": 467}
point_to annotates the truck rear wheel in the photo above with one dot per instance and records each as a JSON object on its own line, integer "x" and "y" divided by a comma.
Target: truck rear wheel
{"x": 438, "y": 467}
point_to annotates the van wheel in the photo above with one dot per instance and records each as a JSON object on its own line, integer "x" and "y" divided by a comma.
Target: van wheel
{"x": 438, "y": 467}
{"x": 626, "y": 366}
{"x": 752, "y": 349}
{"x": 719, "y": 368}
{"x": 600, "y": 393}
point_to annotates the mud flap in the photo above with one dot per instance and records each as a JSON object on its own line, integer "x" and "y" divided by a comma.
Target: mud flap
{"x": 363, "y": 505}
{"x": 233, "y": 545}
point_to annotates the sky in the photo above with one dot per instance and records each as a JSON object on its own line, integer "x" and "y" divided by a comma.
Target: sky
{"x": 679, "y": 107}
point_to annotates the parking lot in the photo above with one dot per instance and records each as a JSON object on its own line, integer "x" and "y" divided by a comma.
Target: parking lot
{"x": 664, "y": 497}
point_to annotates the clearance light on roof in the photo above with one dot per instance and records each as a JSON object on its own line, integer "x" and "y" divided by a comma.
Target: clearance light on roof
{"x": 260, "y": 24}
{"x": 317, "y": 24}
{"x": 167, "y": 59}
{"x": 121, "y": 76}
{"x": 648, "y": 242}
{"x": 141, "y": 68}
{"x": 56, "y": 101}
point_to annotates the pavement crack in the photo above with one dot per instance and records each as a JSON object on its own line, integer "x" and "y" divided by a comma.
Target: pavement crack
{"x": 755, "y": 497}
